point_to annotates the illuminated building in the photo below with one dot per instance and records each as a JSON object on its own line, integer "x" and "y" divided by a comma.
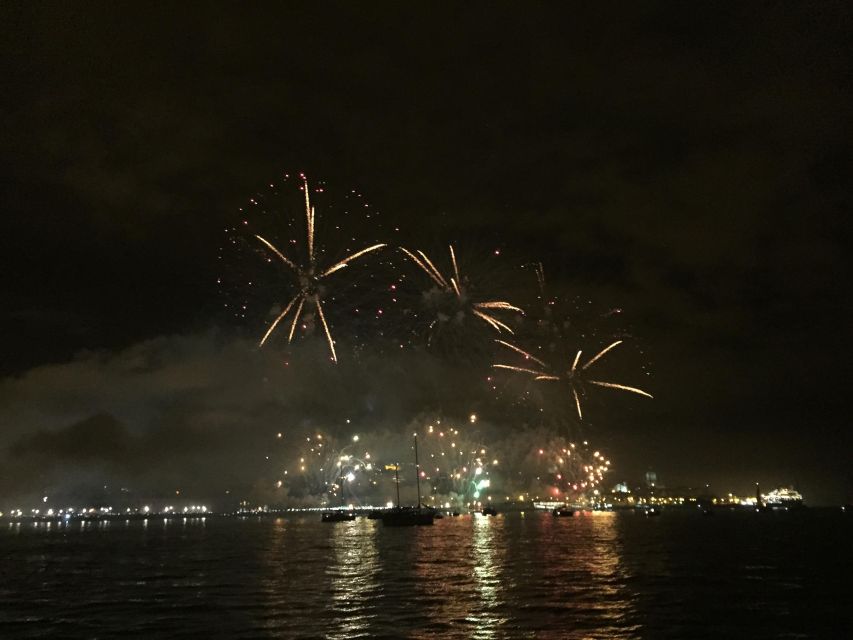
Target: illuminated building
{"x": 783, "y": 497}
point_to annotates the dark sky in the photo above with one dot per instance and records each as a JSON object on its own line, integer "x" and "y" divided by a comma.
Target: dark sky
{"x": 688, "y": 164}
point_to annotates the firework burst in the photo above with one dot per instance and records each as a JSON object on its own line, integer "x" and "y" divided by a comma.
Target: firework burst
{"x": 455, "y": 294}
{"x": 576, "y": 375}
{"x": 567, "y": 470}
{"x": 456, "y": 463}
{"x": 320, "y": 465}
{"x": 308, "y": 275}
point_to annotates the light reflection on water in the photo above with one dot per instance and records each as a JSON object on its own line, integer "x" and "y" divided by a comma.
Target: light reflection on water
{"x": 353, "y": 572}
{"x": 603, "y": 563}
{"x": 443, "y": 569}
{"x": 489, "y": 559}
{"x": 595, "y": 576}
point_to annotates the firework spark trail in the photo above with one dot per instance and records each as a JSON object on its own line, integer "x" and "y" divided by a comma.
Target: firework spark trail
{"x": 326, "y": 328}
{"x": 575, "y": 363}
{"x": 277, "y": 252}
{"x": 295, "y": 320}
{"x": 308, "y": 277}
{"x": 309, "y": 214}
{"x": 577, "y": 402}
{"x": 601, "y": 353}
{"x": 434, "y": 270}
{"x": 456, "y": 286}
{"x": 277, "y": 320}
{"x": 521, "y": 351}
{"x": 492, "y": 321}
{"x": 613, "y": 385}
{"x": 572, "y": 376}
{"x": 497, "y": 305}
{"x": 520, "y": 369}
{"x": 540, "y": 277}
{"x": 343, "y": 263}
{"x": 418, "y": 262}
{"x": 455, "y": 266}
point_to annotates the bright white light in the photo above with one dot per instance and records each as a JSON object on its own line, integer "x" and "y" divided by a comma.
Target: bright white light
{"x": 350, "y": 476}
{"x": 478, "y": 471}
{"x": 355, "y": 438}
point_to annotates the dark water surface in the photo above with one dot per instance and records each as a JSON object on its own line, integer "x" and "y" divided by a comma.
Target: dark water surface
{"x": 610, "y": 575}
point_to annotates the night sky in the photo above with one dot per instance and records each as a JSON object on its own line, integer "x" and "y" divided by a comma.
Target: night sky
{"x": 689, "y": 165}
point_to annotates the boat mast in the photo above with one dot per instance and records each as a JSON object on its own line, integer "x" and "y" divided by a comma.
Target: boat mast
{"x": 397, "y": 482}
{"x": 417, "y": 471}
{"x": 341, "y": 480}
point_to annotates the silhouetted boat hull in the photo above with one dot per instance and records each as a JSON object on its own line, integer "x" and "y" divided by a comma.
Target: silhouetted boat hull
{"x": 408, "y": 517}
{"x": 338, "y": 516}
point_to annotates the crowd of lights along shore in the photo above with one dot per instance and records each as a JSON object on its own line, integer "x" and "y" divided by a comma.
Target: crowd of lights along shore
{"x": 453, "y": 307}
{"x": 620, "y": 496}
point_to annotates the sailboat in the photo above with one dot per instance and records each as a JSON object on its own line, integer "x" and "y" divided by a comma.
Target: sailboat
{"x": 339, "y": 515}
{"x": 408, "y": 516}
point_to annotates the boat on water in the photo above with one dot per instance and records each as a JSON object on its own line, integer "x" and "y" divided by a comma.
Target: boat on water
{"x": 409, "y": 516}
{"x": 489, "y": 511}
{"x": 337, "y": 516}
{"x": 784, "y": 499}
{"x": 340, "y": 514}
{"x": 563, "y": 512}
{"x": 652, "y": 510}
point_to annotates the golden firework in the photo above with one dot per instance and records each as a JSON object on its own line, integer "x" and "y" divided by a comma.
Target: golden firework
{"x": 483, "y": 310}
{"x": 574, "y": 376}
{"x": 308, "y": 277}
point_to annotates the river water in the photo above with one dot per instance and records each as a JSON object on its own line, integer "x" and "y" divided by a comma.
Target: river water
{"x": 606, "y": 575}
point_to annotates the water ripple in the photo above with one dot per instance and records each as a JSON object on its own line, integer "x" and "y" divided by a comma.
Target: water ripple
{"x": 605, "y": 576}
